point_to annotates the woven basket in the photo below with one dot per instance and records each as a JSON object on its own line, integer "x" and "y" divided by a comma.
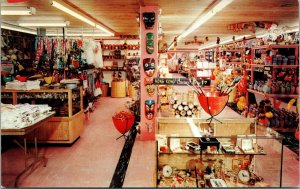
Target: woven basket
{"x": 118, "y": 89}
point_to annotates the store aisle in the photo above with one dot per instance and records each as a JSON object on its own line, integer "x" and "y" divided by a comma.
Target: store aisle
{"x": 89, "y": 162}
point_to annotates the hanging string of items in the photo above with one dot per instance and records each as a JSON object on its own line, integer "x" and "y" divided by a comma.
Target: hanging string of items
{"x": 58, "y": 53}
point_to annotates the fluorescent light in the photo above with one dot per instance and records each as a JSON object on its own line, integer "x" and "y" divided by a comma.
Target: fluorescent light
{"x": 72, "y": 13}
{"x": 17, "y": 28}
{"x": 80, "y": 34}
{"x": 44, "y": 24}
{"x": 171, "y": 46}
{"x": 80, "y": 17}
{"x": 202, "y": 19}
{"x": 17, "y": 10}
{"x": 105, "y": 30}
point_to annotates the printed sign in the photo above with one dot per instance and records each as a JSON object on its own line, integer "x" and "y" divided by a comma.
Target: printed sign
{"x": 180, "y": 81}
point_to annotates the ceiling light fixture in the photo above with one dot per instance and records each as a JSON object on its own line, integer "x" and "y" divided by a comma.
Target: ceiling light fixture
{"x": 72, "y": 13}
{"x": 105, "y": 30}
{"x": 80, "y": 17}
{"x": 17, "y": 10}
{"x": 79, "y": 34}
{"x": 171, "y": 46}
{"x": 204, "y": 18}
{"x": 44, "y": 24}
{"x": 17, "y": 28}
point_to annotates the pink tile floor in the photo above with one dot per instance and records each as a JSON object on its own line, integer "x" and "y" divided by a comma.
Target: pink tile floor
{"x": 91, "y": 160}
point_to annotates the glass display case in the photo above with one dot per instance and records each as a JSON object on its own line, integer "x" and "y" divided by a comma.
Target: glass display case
{"x": 189, "y": 154}
{"x": 67, "y": 124}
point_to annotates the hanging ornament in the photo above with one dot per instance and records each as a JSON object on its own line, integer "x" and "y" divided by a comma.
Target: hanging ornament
{"x": 206, "y": 39}
{"x": 175, "y": 43}
{"x": 249, "y": 26}
{"x": 233, "y": 38}
{"x": 194, "y": 42}
{"x": 244, "y": 40}
{"x": 218, "y": 40}
{"x": 162, "y": 44}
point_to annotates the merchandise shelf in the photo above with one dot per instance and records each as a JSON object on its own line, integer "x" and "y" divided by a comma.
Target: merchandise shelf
{"x": 112, "y": 59}
{"x": 201, "y": 68}
{"x": 274, "y": 66}
{"x": 238, "y": 63}
{"x": 117, "y": 69}
{"x": 275, "y": 46}
{"x": 273, "y": 95}
{"x": 121, "y": 49}
{"x": 222, "y": 154}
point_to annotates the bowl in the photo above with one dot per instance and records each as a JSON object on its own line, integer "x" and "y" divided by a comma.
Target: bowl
{"x": 212, "y": 103}
{"x": 48, "y": 80}
{"x": 22, "y": 78}
{"x": 71, "y": 85}
{"x": 7, "y": 78}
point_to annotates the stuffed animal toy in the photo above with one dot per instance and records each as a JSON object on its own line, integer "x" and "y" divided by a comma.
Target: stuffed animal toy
{"x": 241, "y": 104}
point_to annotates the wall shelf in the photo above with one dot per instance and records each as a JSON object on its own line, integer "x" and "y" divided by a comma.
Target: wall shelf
{"x": 112, "y": 59}
{"x": 273, "y": 95}
{"x": 114, "y": 69}
{"x": 274, "y": 66}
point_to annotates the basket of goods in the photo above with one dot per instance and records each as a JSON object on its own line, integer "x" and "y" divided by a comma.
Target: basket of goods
{"x": 123, "y": 121}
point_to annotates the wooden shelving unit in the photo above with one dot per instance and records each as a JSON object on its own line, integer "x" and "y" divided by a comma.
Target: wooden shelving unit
{"x": 274, "y": 68}
{"x": 273, "y": 95}
{"x": 114, "y": 69}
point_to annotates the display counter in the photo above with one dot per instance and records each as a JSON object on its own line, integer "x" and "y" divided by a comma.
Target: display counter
{"x": 67, "y": 124}
{"x": 208, "y": 160}
{"x": 231, "y": 124}
{"x": 191, "y": 152}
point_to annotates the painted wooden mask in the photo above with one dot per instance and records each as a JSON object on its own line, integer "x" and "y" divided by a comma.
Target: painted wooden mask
{"x": 149, "y": 109}
{"x": 149, "y": 19}
{"x": 149, "y": 66}
{"x": 149, "y": 43}
{"x": 149, "y": 86}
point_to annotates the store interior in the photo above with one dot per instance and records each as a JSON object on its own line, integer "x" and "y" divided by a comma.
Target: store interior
{"x": 152, "y": 93}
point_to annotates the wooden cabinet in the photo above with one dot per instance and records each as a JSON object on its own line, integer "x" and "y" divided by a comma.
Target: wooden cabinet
{"x": 67, "y": 125}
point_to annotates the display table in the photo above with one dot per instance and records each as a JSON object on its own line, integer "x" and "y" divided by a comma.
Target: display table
{"x": 23, "y": 132}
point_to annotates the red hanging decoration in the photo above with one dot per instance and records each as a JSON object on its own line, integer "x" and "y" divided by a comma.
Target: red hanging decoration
{"x": 249, "y": 26}
{"x": 16, "y": 1}
{"x": 195, "y": 41}
{"x": 218, "y": 40}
